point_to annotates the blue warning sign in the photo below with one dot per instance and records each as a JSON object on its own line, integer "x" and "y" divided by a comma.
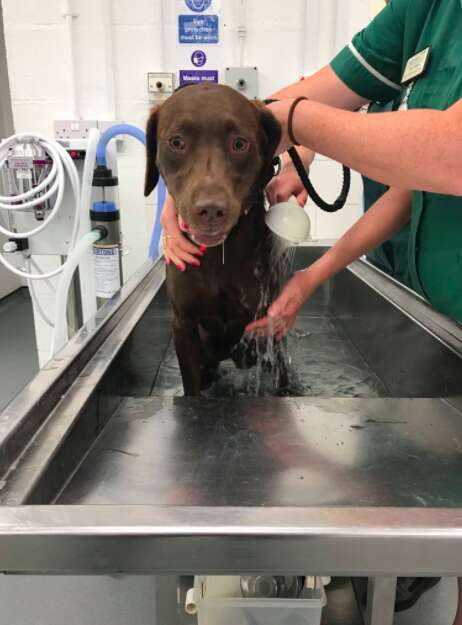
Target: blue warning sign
{"x": 198, "y": 5}
{"x": 198, "y": 58}
{"x": 201, "y": 29}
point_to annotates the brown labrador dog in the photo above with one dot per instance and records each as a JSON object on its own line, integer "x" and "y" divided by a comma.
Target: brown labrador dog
{"x": 214, "y": 149}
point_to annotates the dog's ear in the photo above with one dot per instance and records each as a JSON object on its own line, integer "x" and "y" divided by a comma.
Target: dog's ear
{"x": 271, "y": 135}
{"x": 152, "y": 171}
{"x": 271, "y": 129}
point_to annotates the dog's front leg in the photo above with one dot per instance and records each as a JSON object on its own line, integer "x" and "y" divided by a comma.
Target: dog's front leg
{"x": 281, "y": 380}
{"x": 188, "y": 351}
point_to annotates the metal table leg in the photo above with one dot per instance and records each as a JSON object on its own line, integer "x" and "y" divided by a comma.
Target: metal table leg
{"x": 381, "y": 594}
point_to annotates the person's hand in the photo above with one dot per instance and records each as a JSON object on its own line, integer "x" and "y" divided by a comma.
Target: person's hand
{"x": 178, "y": 249}
{"x": 283, "y": 312}
{"x": 287, "y": 184}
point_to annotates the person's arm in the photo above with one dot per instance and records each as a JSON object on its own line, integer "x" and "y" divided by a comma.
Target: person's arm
{"x": 368, "y": 69}
{"x": 381, "y": 221}
{"x": 418, "y": 149}
{"x": 326, "y": 87}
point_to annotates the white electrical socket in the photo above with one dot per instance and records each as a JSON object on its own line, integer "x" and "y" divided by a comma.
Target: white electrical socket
{"x": 73, "y": 128}
{"x": 75, "y": 132}
{"x": 160, "y": 83}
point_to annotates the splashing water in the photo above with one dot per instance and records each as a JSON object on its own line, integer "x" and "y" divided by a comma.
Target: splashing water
{"x": 269, "y": 375}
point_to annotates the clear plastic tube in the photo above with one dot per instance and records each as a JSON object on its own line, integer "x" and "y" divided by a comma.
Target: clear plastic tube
{"x": 36, "y": 301}
{"x": 49, "y": 284}
{"x": 27, "y": 275}
{"x": 87, "y": 266}
{"x": 73, "y": 260}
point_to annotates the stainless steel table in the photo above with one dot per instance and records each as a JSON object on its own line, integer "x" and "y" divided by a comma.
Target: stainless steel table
{"x": 350, "y": 486}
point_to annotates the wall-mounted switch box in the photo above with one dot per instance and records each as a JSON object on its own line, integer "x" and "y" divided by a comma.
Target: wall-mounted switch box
{"x": 160, "y": 83}
{"x": 243, "y": 79}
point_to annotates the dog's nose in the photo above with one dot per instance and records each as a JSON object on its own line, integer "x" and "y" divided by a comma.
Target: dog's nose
{"x": 210, "y": 210}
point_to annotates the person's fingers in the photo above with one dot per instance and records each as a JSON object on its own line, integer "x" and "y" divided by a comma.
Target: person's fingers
{"x": 182, "y": 225}
{"x": 185, "y": 257}
{"x": 183, "y": 248}
{"x": 264, "y": 328}
{"x": 178, "y": 262}
{"x": 270, "y": 192}
{"x": 279, "y": 336}
{"x": 167, "y": 257}
{"x": 257, "y": 325}
{"x": 291, "y": 188}
{"x": 282, "y": 195}
{"x": 174, "y": 239}
{"x": 302, "y": 198}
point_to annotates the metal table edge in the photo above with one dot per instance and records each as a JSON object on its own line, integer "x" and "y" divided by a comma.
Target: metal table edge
{"x": 169, "y": 540}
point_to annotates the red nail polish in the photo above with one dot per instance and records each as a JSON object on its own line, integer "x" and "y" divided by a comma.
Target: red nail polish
{"x": 185, "y": 226}
{"x": 202, "y": 248}
{"x": 182, "y": 268}
{"x": 199, "y": 254}
{"x": 196, "y": 263}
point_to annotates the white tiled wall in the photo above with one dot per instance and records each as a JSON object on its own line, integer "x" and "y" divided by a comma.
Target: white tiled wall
{"x": 283, "y": 41}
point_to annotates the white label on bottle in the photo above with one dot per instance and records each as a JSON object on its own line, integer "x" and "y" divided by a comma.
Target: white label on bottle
{"x": 107, "y": 271}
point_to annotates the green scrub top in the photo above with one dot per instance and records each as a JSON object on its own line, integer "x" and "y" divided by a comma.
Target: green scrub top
{"x": 372, "y": 65}
{"x": 392, "y": 255}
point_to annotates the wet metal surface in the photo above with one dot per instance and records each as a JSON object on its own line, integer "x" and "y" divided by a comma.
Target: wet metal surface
{"x": 323, "y": 363}
{"x": 275, "y": 452}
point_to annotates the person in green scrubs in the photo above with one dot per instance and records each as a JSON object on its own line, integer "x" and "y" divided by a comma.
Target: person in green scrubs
{"x": 413, "y": 51}
{"x": 411, "y": 54}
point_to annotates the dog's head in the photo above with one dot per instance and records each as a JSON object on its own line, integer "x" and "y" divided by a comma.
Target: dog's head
{"x": 214, "y": 149}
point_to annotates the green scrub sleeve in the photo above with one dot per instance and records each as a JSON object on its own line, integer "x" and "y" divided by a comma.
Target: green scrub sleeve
{"x": 372, "y": 64}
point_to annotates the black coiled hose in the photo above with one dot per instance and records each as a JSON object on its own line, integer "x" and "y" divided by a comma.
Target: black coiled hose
{"x": 313, "y": 194}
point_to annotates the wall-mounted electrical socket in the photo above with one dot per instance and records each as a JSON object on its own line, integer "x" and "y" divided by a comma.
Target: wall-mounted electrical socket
{"x": 74, "y": 132}
{"x": 160, "y": 83}
{"x": 243, "y": 79}
{"x": 73, "y": 128}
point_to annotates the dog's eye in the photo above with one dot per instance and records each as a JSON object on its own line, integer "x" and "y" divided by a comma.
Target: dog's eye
{"x": 177, "y": 143}
{"x": 240, "y": 144}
